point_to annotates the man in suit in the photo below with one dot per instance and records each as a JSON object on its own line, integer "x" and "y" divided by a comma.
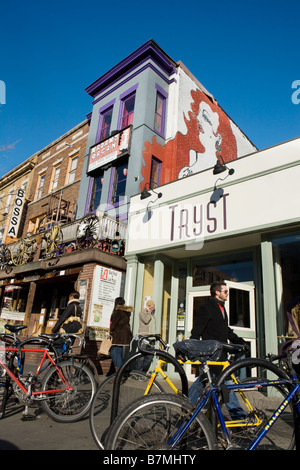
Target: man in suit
{"x": 211, "y": 323}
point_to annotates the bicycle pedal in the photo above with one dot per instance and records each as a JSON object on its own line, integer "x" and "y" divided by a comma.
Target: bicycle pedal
{"x": 28, "y": 418}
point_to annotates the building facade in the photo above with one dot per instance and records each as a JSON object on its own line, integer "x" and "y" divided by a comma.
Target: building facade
{"x": 152, "y": 122}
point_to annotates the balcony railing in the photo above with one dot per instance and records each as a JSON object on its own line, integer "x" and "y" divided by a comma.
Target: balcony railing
{"x": 92, "y": 231}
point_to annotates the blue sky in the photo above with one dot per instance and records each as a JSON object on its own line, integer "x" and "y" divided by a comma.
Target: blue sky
{"x": 246, "y": 53}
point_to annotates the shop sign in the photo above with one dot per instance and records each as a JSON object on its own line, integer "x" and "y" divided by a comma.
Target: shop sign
{"x": 107, "y": 285}
{"x": 16, "y": 214}
{"x": 110, "y": 149}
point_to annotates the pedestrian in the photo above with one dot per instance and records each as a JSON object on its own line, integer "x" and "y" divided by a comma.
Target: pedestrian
{"x": 211, "y": 323}
{"x": 73, "y": 309}
{"x": 147, "y": 326}
{"x": 120, "y": 331}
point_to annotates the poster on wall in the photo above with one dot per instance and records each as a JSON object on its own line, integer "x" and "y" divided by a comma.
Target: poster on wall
{"x": 107, "y": 285}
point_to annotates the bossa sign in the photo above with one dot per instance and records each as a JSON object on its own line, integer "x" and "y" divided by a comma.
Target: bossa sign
{"x": 16, "y": 213}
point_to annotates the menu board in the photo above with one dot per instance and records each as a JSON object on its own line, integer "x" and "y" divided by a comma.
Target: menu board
{"x": 107, "y": 285}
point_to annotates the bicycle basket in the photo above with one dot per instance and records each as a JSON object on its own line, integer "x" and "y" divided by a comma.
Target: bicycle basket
{"x": 199, "y": 350}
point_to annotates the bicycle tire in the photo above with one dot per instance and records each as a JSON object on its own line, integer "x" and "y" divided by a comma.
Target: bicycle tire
{"x": 131, "y": 388}
{"x": 149, "y": 422}
{"x": 263, "y": 401}
{"x": 70, "y": 406}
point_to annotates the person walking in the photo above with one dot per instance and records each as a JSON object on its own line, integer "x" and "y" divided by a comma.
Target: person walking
{"x": 147, "y": 326}
{"x": 73, "y": 309}
{"x": 211, "y": 323}
{"x": 120, "y": 331}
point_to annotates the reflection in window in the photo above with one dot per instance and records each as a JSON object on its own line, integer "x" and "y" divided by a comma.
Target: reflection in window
{"x": 128, "y": 111}
{"x": 41, "y": 182}
{"x": 119, "y": 175}
{"x": 155, "y": 173}
{"x": 105, "y": 124}
{"x": 239, "y": 308}
{"x": 72, "y": 170}
{"x": 96, "y": 193}
{"x": 236, "y": 268}
{"x": 159, "y": 120}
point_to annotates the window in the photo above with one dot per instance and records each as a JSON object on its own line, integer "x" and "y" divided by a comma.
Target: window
{"x": 105, "y": 122}
{"x": 41, "y": 182}
{"x": 56, "y": 172}
{"x": 119, "y": 176}
{"x": 127, "y": 111}
{"x": 8, "y": 201}
{"x": 160, "y": 107}
{"x": 72, "y": 169}
{"x": 96, "y": 193}
{"x": 155, "y": 173}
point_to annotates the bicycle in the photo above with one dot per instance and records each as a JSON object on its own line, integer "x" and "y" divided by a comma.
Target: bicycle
{"x": 66, "y": 389}
{"x": 110, "y": 394}
{"x": 60, "y": 345}
{"x": 167, "y": 422}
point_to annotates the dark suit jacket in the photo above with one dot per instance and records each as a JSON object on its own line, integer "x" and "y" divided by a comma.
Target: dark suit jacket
{"x": 210, "y": 324}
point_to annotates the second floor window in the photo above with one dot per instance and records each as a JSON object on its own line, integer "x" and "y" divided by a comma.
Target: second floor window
{"x": 105, "y": 124}
{"x": 41, "y": 182}
{"x": 119, "y": 177}
{"x": 55, "y": 177}
{"x": 159, "y": 120}
{"x": 155, "y": 173}
{"x": 128, "y": 110}
{"x": 96, "y": 193}
{"x": 72, "y": 169}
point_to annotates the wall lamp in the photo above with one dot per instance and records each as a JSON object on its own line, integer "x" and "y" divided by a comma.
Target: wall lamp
{"x": 146, "y": 193}
{"x": 220, "y": 167}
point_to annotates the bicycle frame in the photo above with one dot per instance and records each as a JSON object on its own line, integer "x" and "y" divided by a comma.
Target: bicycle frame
{"x": 214, "y": 392}
{"x": 28, "y": 391}
{"x": 159, "y": 371}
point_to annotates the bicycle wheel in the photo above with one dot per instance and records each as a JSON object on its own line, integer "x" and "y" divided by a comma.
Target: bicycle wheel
{"x": 132, "y": 387}
{"x": 72, "y": 405}
{"x": 256, "y": 405}
{"x": 150, "y": 422}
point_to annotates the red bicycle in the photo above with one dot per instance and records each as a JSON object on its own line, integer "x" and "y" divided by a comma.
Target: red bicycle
{"x": 65, "y": 390}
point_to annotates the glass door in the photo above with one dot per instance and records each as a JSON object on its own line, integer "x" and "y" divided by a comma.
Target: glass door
{"x": 240, "y": 308}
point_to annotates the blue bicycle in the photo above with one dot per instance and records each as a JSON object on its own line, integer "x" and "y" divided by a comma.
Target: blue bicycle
{"x": 269, "y": 398}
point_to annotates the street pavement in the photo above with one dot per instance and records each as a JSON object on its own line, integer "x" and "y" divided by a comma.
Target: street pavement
{"x": 43, "y": 433}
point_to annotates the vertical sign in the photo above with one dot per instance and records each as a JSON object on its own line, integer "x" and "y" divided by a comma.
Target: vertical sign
{"x": 16, "y": 214}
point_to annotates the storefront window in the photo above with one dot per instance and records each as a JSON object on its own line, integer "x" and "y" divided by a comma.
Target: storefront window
{"x": 148, "y": 283}
{"x": 237, "y": 268}
{"x": 14, "y": 303}
{"x": 286, "y": 256}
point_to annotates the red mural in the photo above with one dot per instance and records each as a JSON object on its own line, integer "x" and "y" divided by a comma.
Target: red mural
{"x": 208, "y": 136}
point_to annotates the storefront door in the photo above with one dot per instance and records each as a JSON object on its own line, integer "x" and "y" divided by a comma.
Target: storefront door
{"x": 240, "y": 307}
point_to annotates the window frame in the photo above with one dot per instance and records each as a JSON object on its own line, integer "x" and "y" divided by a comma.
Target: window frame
{"x": 92, "y": 193}
{"x": 54, "y": 177}
{"x": 71, "y": 171}
{"x": 102, "y": 112}
{"x": 161, "y": 93}
{"x": 113, "y": 183}
{"x": 124, "y": 97}
{"x": 154, "y": 161}
{"x": 39, "y": 189}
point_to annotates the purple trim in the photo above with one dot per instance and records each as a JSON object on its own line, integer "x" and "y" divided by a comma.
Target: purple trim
{"x": 102, "y": 111}
{"x": 88, "y": 196}
{"x": 128, "y": 92}
{"x": 164, "y": 95}
{"x": 150, "y": 50}
{"x": 111, "y": 90}
{"x": 123, "y": 97}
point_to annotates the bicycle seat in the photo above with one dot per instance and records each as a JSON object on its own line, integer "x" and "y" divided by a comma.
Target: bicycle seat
{"x": 233, "y": 348}
{"x": 51, "y": 336}
{"x": 15, "y": 328}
